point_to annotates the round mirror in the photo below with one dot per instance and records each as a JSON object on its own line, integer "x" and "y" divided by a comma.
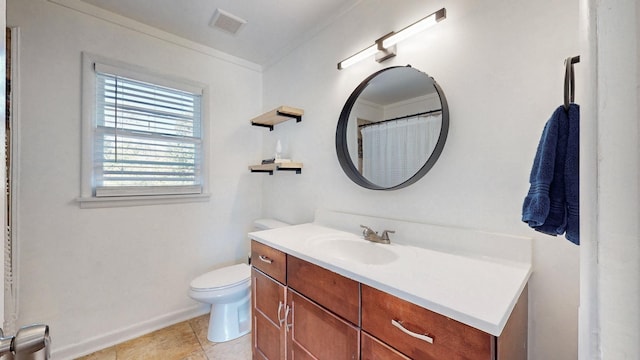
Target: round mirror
{"x": 392, "y": 129}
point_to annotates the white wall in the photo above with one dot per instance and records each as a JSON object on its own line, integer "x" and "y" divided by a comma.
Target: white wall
{"x": 96, "y": 275}
{"x": 617, "y": 47}
{"x": 501, "y": 67}
{"x": 610, "y": 169}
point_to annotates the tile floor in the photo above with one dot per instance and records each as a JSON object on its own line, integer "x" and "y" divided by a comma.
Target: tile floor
{"x": 183, "y": 341}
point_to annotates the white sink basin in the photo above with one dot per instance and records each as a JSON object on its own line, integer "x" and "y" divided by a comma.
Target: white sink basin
{"x": 354, "y": 249}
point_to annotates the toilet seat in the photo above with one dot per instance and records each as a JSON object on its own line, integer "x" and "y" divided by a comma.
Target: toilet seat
{"x": 222, "y": 278}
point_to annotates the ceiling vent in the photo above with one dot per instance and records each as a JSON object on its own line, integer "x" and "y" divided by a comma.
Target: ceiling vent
{"x": 226, "y": 22}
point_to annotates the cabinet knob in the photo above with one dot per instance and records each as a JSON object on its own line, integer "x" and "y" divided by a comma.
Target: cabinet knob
{"x": 265, "y": 259}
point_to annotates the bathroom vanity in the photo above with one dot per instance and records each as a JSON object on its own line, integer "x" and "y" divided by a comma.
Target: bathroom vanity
{"x": 322, "y": 293}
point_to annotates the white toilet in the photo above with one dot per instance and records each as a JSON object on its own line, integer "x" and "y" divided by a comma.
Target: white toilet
{"x": 228, "y": 290}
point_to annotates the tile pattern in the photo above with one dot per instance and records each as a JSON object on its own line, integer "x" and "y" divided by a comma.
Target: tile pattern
{"x": 183, "y": 341}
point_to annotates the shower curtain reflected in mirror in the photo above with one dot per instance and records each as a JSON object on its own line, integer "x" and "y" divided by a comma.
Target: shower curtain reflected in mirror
{"x": 393, "y": 151}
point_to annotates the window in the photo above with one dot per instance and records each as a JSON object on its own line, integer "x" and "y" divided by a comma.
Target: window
{"x": 144, "y": 133}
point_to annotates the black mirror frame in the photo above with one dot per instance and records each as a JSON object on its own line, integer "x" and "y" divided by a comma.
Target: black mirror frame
{"x": 342, "y": 149}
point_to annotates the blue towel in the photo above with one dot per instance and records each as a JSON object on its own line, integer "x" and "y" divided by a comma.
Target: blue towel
{"x": 572, "y": 175}
{"x": 554, "y": 176}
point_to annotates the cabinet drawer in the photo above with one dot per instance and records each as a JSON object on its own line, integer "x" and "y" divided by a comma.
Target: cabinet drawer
{"x": 269, "y": 260}
{"x": 316, "y": 333}
{"x": 373, "y": 349}
{"x": 450, "y": 339}
{"x": 333, "y": 291}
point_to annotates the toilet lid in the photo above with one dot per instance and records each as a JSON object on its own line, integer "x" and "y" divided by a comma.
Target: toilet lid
{"x": 223, "y": 277}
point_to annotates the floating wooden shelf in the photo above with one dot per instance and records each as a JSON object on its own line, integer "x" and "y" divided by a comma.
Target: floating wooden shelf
{"x": 270, "y": 168}
{"x": 276, "y": 116}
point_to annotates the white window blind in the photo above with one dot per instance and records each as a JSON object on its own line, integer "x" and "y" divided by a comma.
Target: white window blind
{"x": 148, "y": 137}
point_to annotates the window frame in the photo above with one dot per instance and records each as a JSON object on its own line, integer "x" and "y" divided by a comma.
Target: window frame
{"x": 88, "y": 196}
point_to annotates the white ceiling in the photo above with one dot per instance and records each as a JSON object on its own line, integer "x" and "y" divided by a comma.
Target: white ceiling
{"x": 274, "y": 27}
{"x": 398, "y": 84}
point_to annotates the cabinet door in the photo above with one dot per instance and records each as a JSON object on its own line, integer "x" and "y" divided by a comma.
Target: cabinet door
{"x": 269, "y": 305}
{"x": 315, "y": 333}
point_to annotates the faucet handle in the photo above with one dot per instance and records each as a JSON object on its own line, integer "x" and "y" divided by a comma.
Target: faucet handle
{"x": 367, "y": 230}
{"x": 385, "y": 234}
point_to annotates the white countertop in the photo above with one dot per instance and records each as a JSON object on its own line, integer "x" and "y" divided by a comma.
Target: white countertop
{"x": 478, "y": 291}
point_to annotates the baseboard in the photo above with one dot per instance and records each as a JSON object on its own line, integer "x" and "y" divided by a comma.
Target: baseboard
{"x": 127, "y": 333}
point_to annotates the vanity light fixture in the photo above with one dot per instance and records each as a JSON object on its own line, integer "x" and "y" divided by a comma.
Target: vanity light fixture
{"x": 384, "y": 48}
{"x": 371, "y": 50}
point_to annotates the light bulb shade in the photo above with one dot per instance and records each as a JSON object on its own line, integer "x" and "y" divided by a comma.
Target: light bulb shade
{"x": 415, "y": 28}
{"x": 384, "y": 48}
{"x": 370, "y": 51}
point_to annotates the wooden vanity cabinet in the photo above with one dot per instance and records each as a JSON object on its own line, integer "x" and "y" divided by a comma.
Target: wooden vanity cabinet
{"x": 301, "y": 317}
{"x": 314, "y": 313}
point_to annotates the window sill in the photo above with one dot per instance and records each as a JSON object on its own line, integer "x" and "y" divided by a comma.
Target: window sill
{"x": 122, "y": 201}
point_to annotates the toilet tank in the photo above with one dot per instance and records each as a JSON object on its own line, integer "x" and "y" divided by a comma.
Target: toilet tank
{"x": 266, "y": 224}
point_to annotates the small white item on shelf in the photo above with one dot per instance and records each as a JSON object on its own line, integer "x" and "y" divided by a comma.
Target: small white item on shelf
{"x": 282, "y": 161}
{"x": 278, "y": 154}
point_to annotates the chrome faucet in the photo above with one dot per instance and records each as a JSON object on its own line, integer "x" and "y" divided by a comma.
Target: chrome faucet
{"x": 373, "y": 236}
